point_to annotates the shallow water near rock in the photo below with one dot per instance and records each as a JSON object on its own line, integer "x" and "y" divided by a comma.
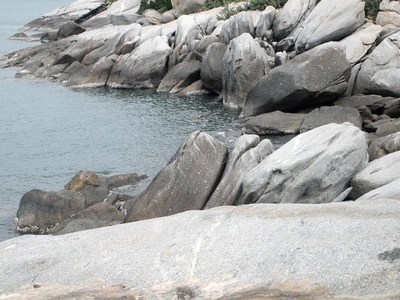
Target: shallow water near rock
{"x": 49, "y": 132}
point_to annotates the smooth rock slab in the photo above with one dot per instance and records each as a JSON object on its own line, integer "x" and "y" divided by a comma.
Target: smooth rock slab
{"x": 186, "y": 183}
{"x": 211, "y": 67}
{"x": 314, "y": 167}
{"x": 274, "y": 123}
{"x": 387, "y": 191}
{"x": 331, "y": 114}
{"x": 335, "y": 251}
{"x": 376, "y": 174}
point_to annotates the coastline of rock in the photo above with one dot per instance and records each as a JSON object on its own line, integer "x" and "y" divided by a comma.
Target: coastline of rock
{"x": 321, "y": 218}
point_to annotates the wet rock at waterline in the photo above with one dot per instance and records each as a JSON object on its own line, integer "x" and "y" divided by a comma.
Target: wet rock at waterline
{"x": 330, "y": 251}
{"x": 186, "y": 183}
{"x": 314, "y": 167}
{"x": 212, "y": 67}
{"x": 39, "y": 210}
{"x": 314, "y": 77}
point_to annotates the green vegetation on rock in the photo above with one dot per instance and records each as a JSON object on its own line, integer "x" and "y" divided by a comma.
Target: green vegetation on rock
{"x": 371, "y": 7}
{"x": 156, "y": 4}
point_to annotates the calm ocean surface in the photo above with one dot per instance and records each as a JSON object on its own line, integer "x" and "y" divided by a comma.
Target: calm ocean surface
{"x": 48, "y": 132}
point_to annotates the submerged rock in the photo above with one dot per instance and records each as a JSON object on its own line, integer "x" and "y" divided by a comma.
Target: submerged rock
{"x": 314, "y": 167}
{"x": 259, "y": 251}
{"x": 186, "y": 183}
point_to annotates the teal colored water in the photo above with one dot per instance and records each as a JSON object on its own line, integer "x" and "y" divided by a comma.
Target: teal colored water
{"x": 49, "y": 132}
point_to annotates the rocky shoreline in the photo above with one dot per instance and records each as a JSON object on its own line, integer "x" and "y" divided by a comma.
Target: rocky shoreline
{"x": 321, "y": 72}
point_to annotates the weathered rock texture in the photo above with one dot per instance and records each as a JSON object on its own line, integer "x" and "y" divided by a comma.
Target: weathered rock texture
{"x": 385, "y": 57}
{"x": 236, "y": 26}
{"x": 313, "y": 77}
{"x": 335, "y": 251}
{"x": 387, "y": 191}
{"x": 329, "y": 21}
{"x": 377, "y": 173}
{"x": 247, "y": 153}
{"x": 290, "y": 16}
{"x": 186, "y": 183}
{"x": 244, "y": 63}
{"x": 314, "y": 167}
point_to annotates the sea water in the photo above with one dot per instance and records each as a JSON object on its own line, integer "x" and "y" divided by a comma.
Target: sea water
{"x": 49, "y": 132}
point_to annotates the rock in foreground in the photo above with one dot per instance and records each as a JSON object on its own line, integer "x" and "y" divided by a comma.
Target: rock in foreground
{"x": 340, "y": 250}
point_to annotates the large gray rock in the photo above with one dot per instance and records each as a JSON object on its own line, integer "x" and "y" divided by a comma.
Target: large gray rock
{"x": 247, "y": 153}
{"x": 274, "y": 123}
{"x": 212, "y": 255}
{"x": 384, "y": 145}
{"x": 311, "y": 78}
{"x": 39, "y": 211}
{"x": 329, "y": 21}
{"x": 385, "y": 56}
{"x": 211, "y": 67}
{"x": 180, "y": 77}
{"x": 357, "y": 44}
{"x": 386, "y": 82}
{"x": 388, "y": 126}
{"x": 387, "y": 191}
{"x": 236, "y": 26}
{"x": 153, "y": 16}
{"x": 75, "y": 11}
{"x": 388, "y": 18}
{"x": 186, "y": 183}
{"x": 77, "y": 51}
{"x": 143, "y": 68}
{"x": 377, "y": 173}
{"x": 314, "y": 167}
{"x": 290, "y": 16}
{"x": 244, "y": 63}
{"x": 96, "y": 216}
{"x": 265, "y": 22}
{"x": 331, "y": 114}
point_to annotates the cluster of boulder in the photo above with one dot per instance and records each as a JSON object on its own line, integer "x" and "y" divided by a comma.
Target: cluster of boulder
{"x": 87, "y": 201}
